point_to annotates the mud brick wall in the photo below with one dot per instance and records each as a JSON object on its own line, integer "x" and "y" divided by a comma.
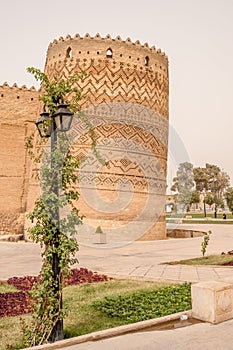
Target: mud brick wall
{"x": 18, "y": 112}
{"x": 126, "y": 92}
{"x": 126, "y": 99}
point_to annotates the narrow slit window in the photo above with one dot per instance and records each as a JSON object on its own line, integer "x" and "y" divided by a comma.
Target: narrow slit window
{"x": 146, "y": 61}
{"x": 69, "y": 53}
{"x": 109, "y": 53}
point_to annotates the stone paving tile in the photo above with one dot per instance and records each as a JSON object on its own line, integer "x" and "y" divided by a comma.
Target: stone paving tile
{"x": 140, "y": 270}
{"x": 206, "y": 273}
{"x": 189, "y": 274}
{"x": 224, "y": 272}
{"x": 155, "y": 271}
{"x": 188, "y": 277}
{"x": 171, "y": 272}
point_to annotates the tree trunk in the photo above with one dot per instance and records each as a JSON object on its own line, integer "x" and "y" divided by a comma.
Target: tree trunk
{"x": 204, "y": 208}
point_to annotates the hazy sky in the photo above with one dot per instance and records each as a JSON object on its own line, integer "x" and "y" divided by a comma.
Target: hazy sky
{"x": 197, "y": 36}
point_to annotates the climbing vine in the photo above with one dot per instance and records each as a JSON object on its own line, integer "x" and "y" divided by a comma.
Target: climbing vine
{"x": 54, "y": 232}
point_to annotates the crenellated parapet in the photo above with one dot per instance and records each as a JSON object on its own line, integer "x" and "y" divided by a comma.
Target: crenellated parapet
{"x": 18, "y": 104}
{"x": 15, "y": 86}
{"x": 116, "y": 70}
{"x": 126, "y": 50}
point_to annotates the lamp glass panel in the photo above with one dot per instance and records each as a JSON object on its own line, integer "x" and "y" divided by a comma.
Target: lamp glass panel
{"x": 63, "y": 122}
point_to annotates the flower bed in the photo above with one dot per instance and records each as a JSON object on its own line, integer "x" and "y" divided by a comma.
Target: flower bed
{"x": 18, "y": 303}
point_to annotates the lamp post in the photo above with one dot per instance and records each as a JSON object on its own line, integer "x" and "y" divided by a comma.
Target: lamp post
{"x": 48, "y": 126}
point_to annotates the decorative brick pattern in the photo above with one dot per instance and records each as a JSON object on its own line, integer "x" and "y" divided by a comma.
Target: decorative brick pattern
{"x": 124, "y": 77}
{"x": 126, "y": 99}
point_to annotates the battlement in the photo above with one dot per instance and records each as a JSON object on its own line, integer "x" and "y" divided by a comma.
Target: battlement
{"x": 138, "y": 55}
{"x": 108, "y": 37}
{"x": 16, "y": 87}
{"x": 18, "y": 104}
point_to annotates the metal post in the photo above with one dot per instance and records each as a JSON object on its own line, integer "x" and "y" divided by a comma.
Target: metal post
{"x": 57, "y": 332}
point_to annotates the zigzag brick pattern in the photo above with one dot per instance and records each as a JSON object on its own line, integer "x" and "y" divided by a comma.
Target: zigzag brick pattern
{"x": 125, "y": 74}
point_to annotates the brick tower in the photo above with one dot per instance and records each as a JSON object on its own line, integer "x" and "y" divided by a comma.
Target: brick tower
{"x": 126, "y": 100}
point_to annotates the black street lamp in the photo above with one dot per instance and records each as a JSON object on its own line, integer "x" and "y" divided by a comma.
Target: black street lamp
{"x": 63, "y": 118}
{"x": 47, "y": 126}
{"x": 43, "y": 124}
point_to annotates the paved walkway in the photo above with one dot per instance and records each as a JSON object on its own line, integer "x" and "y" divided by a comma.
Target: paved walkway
{"x": 143, "y": 260}
{"x": 138, "y": 259}
{"x": 202, "y": 336}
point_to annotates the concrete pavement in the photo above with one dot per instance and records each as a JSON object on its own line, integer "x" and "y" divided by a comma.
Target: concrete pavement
{"x": 202, "y": 336}
{"x": 142, "y": 260}
{"x": 135, "y": 260}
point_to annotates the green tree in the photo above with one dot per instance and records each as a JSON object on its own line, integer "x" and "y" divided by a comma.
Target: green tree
{"x": 218, "y": 181}
{"x": 201, "y": 183}
{"x": 209, "y": 199}
{"x": 57, "y": 90}
{"x": 58, "y": 178}
{"x": 201, "y": 179}
{"x": 195, "y": 197}
{"x": 211, "y": 180}
{"x": 229, "y": 198}
{"x": 183, "y": 184}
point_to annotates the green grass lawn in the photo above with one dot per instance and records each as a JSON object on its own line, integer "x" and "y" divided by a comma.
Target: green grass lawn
{"x": 206, "y": 260}
{"x": 198, "y": 215}
{"x": 103, "y": 305}
{"x": 198, "y": 218}
{"x": 216, "y": 222}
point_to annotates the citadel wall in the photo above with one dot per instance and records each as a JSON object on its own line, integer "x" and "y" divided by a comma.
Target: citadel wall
{"x": 19, "y": 110}
{"x": 126, "y": 99}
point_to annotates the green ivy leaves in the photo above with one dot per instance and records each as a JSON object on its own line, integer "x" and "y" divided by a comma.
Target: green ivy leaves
{"x": 57, "y": 90}
{"x": 145, "y": 305}
{"x": 58, "y": 178}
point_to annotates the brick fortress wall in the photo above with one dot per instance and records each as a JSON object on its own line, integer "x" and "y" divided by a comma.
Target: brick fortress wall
{"x": 126, "y": 98}
{"x": 19, "y": 110}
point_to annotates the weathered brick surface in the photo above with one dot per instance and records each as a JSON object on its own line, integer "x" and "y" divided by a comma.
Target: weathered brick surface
{"x": 135, "y": 73}
{"x": 19, "y": 108}
{"x": 118, "y": 72}
{"x": 18, "y": 105}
